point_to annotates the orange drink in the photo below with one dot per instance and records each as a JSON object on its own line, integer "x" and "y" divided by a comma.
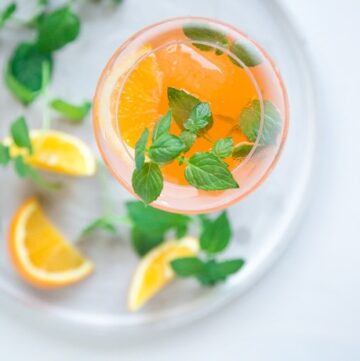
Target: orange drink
{"x": 190, "y": 115}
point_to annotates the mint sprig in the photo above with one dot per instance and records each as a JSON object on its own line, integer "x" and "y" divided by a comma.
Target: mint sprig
{"x": 200, "y": 118}
{"x": 223, "y": 148}
{"x": 72, "y": 112}
{"x": 140, "y": 149}
{"x": 7, "y": 13}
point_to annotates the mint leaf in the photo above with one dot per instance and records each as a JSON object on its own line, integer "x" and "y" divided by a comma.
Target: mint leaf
{"x": 188, "y": 139}
{"x": 247, "y": 53}
{"x": 162, "y": 126}
{"x": 200, "y": 117}
{"x": 223, "y": 147}
{"x": 200, "y": 32}
{"x": 21, "y": 168}
{"x": 140, "y": 149}
{"x": 166, "y": 148}
{"x": 7, "y": 13}
{"x": 216, "y": 234}
{"x": 75, "y": 113}
{"x": 206, "y": 171}
{"x": 4, "y": 154}
{"x": 181, "y": 104}
{"x": 242, "y": 150}
{"x": 250, "y": 119}
{"x": 58, "y": 28}
{"x": 148, "y": 182}
{"x": 215, "y": 272}
{"x": 187, "y": 266}
{"x": 23, "y": 73}
{"x": 150, "y": 225}
{"x": 20, "y": 134}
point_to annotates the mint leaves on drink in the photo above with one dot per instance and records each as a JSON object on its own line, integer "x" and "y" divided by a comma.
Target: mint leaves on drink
{"x": 203, "y": 170}
{"x": 244, "y": 51}
{"x": 250, "y": 121}
{"x": 242, "y": 150}
{"x": 20, "y": 137}
{"x": 207, "y": 172}
{"x": 223, "y": 148}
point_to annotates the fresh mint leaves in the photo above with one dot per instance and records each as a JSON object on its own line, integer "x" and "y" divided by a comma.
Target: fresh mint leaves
{"x": 20, "y": 134}
{"x": 181, "y": 103}
{"x": 202, "y": 33}
{"x": 72, "y": 112}
{"x": 23, "y": 73}
{"x": 7, "y": 13}
{"x": 166, "y": 148}
{"x": 208, "y": 273}
{"x": 223, "y": 147}
{"x": 250, "y": 119}
{"x": 199, "y": 118}
{"x": 188, "y": 139}
{"x": 207, "y": 172}
{"x": 242, "y": 150}
{"x": 148, "y": 182}
{"x": 245, "y": 52}
{"x": 150, "y": 225}
{"x": 58, "y": 28}
{"x": 140, "y": 149}
{"x": 216, "y": 234}
{"x": 162, "y": 126}
{"x": 20, "y": 138}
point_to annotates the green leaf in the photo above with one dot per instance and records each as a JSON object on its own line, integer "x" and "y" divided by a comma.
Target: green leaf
{"x": 140, "y": 149}
{"x": 58, "y": 28}
{"x": 200, "y": 118}
{"x": 250, "y": 119}
{"x": 166, "y": 148}
{"x": 150, "y": 225}
{"x": 162, "y": 126}
{"x": 4, "y": 154}
{"x": 106, "y": 223}
{"x": 75, "y": 113}
{"x": 223, "y": 147}
{"x": 188, "y": 139}
{"x": 216, "y": 234}
{"x": 247, "y": 53}
{"x": 214, "y": 271}
{"x": 23, "y": 72}
{"x": 204, "y": 33}
{"x": 242, "y": 150}
{"x": 7, "y": 13}
{"x": 206, "y": 171}
{"x": 36, "y": 177}
{"x": 148, "y": 182}
{"x": 143, "y": 241}
{"x": 181, "y": 104}
{"x": 21, "y": 168}
{"x": 187, "y": 266}
{"x": 20, "y": 134}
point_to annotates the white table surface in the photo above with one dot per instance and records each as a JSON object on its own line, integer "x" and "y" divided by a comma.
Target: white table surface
{"x": 308, "y": 307}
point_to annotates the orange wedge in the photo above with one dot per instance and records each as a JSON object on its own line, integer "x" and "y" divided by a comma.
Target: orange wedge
{"x": 59, "y": 152}
{"x": 140, "y": 99}
{"x": 154, "y": 270}
{"x": 39, "y": 252}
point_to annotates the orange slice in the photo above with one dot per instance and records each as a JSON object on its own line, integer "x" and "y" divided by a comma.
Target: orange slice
{"x": 140, "y": 99}
{"x": 39, "y": 252}
{"x": 59, "y": 152}
{"x": 154, "y": 270}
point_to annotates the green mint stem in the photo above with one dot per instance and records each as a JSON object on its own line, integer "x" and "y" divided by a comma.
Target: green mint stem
{"x": 46, "y": 121}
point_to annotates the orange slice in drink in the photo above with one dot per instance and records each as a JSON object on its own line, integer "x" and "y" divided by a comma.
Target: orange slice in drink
{"x": 154, "y": 270}
{"x": 40, "y": 253}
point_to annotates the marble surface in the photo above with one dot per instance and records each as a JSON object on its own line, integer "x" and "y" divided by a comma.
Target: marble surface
{"x": 307, "y": 307}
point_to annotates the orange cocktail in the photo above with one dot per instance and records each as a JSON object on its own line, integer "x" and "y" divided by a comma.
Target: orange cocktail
{"x": 217, "y": 88}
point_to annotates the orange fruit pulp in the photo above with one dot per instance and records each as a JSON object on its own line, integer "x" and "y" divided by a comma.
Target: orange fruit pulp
{"x": 210, "y": 77}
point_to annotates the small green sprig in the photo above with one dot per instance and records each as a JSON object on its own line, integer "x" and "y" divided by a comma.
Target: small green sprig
{"x": 20, "y": 137}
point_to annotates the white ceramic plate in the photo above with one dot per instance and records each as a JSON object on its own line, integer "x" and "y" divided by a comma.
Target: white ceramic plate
{"x": 263, "y": 222}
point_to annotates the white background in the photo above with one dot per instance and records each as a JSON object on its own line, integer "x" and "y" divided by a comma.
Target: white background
{"x": 308, "y": 306}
